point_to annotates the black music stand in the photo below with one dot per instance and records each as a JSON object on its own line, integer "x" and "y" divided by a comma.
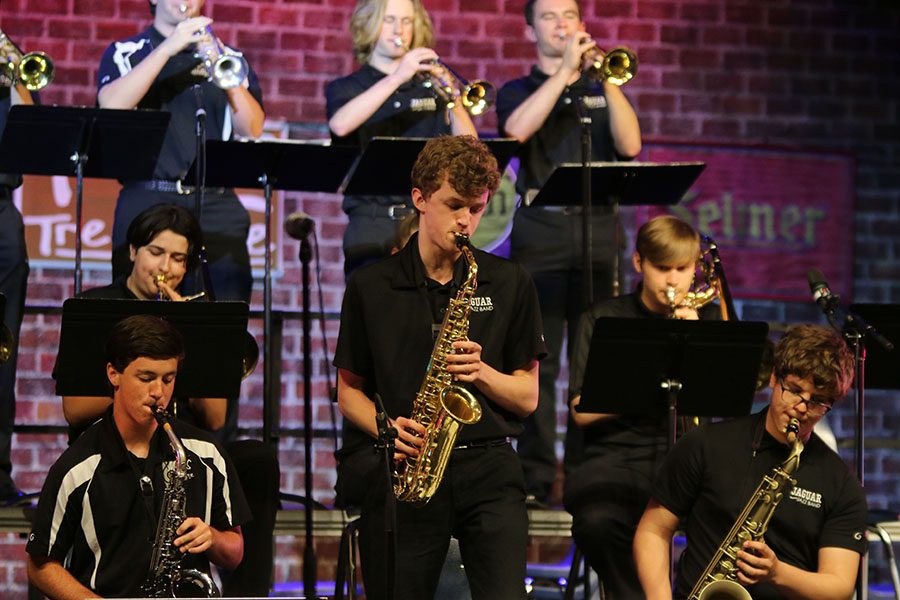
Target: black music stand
{"x": 613, "y": 184}
{"x": 659, "y": 367}
{"x": 882, "y": 366}
{"x": 383, "y": 167}
{"x": 214, "y": 336}
{"x": 274, "y": 164}
{"x": 84, "y": 142}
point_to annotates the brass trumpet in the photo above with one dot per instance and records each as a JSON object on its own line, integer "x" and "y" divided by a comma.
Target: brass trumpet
{"x": 33, "y": 70}
{"x": 618, "y": 66}
{"x": 7, "y": 342}
{"x": 225, "y": 68}
{"x": 476, "y": 97}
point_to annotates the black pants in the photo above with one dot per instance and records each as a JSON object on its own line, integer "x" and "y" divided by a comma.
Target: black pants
{"x": 257, "y": 468}
{"x": 481, "y": 502}
{"x": 13, "y": 280}
{"x": 548, "y": 245}
{"x": 225, "y": 224}
{"x": 606, "y": 496}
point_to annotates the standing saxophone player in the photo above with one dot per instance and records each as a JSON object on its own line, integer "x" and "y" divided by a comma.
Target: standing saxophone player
{"x": 95, "y": 525}
{"x": 392, "y": 39}
{"x": 392, "y": 312}
{"x": 814, "y": 541}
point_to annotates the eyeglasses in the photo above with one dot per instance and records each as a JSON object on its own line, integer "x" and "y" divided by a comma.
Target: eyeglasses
{"x": 815, "y": 407}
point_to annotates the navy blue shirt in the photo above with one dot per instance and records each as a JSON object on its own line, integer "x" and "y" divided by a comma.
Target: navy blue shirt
{"x": 173, "y": 91}
{"x": 411, "y": 111}
{"x": 559, "y": 138}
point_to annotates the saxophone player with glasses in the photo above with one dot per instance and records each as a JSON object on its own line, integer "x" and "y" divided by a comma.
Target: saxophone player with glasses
{"x": 392, "y": 40}
{"x": 802, "y": 533}
{"x": 95, "y": 530}
{"x": 438, "y": 315}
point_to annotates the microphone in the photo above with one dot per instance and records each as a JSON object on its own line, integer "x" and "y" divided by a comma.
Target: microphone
{"x": 298, "y": 225}
{"x": 820, "y": 292}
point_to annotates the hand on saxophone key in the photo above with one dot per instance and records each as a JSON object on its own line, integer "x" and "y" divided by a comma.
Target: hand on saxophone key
{"x": 756, "y": 563}
{"x": 194, "y": 536}
{"x": 465, "y": 363}
{"x": 409, "y": 438}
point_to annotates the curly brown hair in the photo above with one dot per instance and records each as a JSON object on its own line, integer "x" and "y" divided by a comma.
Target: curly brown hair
{"x": 462, "y": 160}
{"x": 817, "y": 353}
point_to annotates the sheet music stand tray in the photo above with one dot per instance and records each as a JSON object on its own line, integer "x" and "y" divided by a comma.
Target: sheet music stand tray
{"x": 383, "y": 167}
{"x": 882, "y": 366}
{"x": 84, "y": 142}
{"x": 659, "y": 367}
{"x": 612, "y": 184}
{"x": 214, "y": 336}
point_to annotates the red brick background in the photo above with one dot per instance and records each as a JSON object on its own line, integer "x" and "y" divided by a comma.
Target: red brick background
{"x": 807, "y": 73}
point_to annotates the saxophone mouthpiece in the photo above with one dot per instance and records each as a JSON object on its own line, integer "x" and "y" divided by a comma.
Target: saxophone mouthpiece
{"x": 793, "y": 427}
{"x": 461, "y": 240}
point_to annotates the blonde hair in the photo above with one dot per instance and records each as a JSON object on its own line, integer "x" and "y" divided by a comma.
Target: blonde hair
{"x": 666, "y": 239}
{"x": 368, "y": 18}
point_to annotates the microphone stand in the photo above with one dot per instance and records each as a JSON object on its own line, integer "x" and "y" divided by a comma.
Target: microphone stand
{"x": 586, "y": 234}
{"x": 200, "y": 132}
{"x": 386, "y": 436}
{"x": 309, "y": 552}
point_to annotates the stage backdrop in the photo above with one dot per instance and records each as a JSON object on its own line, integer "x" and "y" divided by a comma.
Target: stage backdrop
{"x": 774, "y": 213}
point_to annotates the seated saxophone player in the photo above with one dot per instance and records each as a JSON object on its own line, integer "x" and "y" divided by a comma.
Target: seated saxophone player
{"x": 813, "y": 543}
{"x": 95, "y": 530}
{"x": 392, "y": 313}
{"x": 163, "y": 245}
{"x": 607, "y": 493}
{"x": 392, "y": 40}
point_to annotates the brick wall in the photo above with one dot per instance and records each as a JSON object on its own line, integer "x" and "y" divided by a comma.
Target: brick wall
{"x": 811, "y": 73}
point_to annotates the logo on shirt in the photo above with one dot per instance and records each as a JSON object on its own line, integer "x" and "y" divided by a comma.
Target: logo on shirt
{"x": 423, "y": 105}
{"x": 806, "y": 497}
{"x": 592, "y": 102}
{"x": 481, "y": 304}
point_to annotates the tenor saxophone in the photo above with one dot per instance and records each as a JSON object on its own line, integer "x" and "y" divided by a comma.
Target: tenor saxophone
{"x": 441, "y": 406}
{"x": 166, "y": 578}
{"x": 719, "y": 579}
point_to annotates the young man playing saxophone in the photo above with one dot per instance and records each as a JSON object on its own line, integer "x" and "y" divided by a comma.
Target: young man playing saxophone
{"x": 391, "y": 314}
{"x": 813, "y": 543}
{"x": 96, "y": 521}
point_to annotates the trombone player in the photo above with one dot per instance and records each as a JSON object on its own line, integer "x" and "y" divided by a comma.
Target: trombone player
{"x": 542, "y": 110}
{"x": 13, "y": 266}
{"x": 392, "y": 39}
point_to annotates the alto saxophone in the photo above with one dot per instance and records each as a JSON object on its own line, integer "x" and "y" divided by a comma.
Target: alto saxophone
{"x": 441, "y": 406}
{"x": 719, "y": 579}
{"x": 166, "y": 578}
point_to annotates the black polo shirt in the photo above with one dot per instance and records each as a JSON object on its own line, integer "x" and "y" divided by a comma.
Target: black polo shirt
{"x": 92, "y": 515}
{"x": 387, "y": 324}
{"x": 559, "y": 138}
{"x": 626, "y": 432}
{"x": 172, "y": 90}
{"x": 411, "y": 111}
{"x": 711, "y": 474}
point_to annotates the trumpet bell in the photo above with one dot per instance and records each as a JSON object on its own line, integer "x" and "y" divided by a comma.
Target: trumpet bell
{"x": 229, "y": 71}
{"x": 7, "y": 342}
{"x": 478, "y": 97}
{"x": 35, "y": 71}
{"x": 618, "y": 67}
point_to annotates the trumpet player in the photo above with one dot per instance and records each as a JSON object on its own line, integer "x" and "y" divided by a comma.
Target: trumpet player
{"x": 392, "y": 39}
{"x": 542, "y": 110}
{"x": 13, "y": 282}
{"x": 160, "y": 68}
{"x": 817, "y": 533}
{"x": 607, "y": 492}
{"x": 93, "y": 532}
